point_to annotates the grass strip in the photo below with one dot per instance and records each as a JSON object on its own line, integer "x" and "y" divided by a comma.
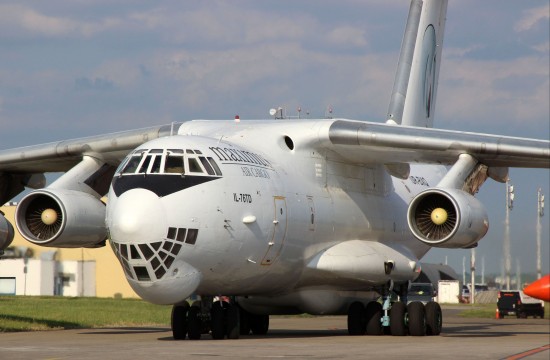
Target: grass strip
{"x": 31, "y": 313}
{"x": 487, "y": 311}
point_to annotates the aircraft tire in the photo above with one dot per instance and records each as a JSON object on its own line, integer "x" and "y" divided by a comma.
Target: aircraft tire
{"x": 232, "y": 322}
{"x": 259, "y": 324}
{"x": 373, "y": 314}
{"x": 194, "y": 323}
{"x": 179, "y": 321}
{"x": 434, "y": 318}
{"x": 217, "y": 315}
{"x": 417, "y": 319}
{"x": 398, "y": 314}
{"x": 244, "y": 320}
{"x": 356, "y": 319}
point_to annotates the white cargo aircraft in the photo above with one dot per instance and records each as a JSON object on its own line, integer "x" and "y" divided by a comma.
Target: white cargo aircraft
{"x": 249, "y": 219}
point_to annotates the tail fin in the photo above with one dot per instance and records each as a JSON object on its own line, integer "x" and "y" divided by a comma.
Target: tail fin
{"x": 415, "y": 85}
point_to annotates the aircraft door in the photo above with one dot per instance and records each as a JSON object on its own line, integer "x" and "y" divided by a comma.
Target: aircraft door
{"x": 278, "y": 234}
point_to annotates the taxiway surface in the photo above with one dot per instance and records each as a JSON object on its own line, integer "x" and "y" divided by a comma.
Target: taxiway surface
{"x": 292, "y": 338}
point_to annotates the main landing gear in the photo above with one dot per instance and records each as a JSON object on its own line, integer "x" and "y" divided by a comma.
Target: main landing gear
{"x": 397, "y": 319}
{"x": 220, "y": 317}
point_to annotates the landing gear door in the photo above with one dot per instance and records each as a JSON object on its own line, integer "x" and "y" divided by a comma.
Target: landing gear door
{"x": 277, "y": 238}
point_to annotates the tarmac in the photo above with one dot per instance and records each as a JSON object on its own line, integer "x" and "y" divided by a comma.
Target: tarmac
{"x": 292, "y": 338}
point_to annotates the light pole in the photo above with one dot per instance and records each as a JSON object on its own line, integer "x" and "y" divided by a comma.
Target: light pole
{"x": 473, "y": 273}
{"x": 464, "y": 271}
{"x": 506, "y": 247}
{"x": 540, "y": 213}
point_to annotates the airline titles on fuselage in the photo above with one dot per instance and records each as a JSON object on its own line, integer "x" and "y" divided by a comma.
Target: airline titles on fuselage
{"x": 227, "y": 155}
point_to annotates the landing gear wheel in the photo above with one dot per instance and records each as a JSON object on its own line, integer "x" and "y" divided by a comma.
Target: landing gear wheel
{"x": 179, "y": 321}
{"x": 356, "y": 319}
{"x": 398, "y": 313}
{"x": 194, "y": 323}
{"x": 259, "y": 324}
{"x": 244, "y": 320}
{"x": 434, "y": 318}
{"x": 417, "y": 319}
{"x": 232, "y": 322}
{"x": 373, "y": 314}
{"x": 218, "y": 322}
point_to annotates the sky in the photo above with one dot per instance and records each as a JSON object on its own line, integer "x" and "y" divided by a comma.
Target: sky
{"x": 77, "y": 68}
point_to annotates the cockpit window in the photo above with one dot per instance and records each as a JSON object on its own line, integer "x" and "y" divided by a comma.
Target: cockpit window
{"x": 145, "y": 164}
{"x": 215, "y": 166}
{"x": 174, "y": 164}
{"x": 169, "y": 161}
{"x": 155, "y": 166}
{"x": 132, "y": 164}
{"x": 207, "y": 166}
{"x": 194, "y": 165}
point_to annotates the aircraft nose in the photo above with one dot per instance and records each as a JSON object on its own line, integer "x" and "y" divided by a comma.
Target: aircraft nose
{"x": 137, "y": 215}
{"x": 141, "y": 240}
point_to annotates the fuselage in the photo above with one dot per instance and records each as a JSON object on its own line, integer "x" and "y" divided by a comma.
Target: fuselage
{"x": 250, "y": 208}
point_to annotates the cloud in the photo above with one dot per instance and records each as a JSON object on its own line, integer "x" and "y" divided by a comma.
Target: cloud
{"x": 347, "y": 35}
{"x": 531, "y": 17}
{"x": 451, "y": 52}
{"x": 543, "y": 48}
{"x": 490, "y": 92}
{"x": 221, "y": 23}
{"x": 21, "y": 20}
{"x": 97, "y": 84}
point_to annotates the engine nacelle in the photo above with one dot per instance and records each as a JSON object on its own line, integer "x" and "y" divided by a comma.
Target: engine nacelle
{"x": 61, "y": 218}
{"x": 6, "y": 233}
{"x": 447, "y": 218}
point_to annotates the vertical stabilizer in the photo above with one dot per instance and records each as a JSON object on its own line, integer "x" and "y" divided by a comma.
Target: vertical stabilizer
{"x": 422, "y": 85}
{"x": 399, "y": 92}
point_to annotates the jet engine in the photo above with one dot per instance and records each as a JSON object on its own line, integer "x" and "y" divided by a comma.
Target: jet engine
{"x": 6, "y": 233}
{"x": 62, "y": 218}
{"x": 447, "y": 218}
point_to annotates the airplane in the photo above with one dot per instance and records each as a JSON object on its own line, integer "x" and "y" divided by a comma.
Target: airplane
{"x": 539, "y": 289}
{"x": 231, "y": 222}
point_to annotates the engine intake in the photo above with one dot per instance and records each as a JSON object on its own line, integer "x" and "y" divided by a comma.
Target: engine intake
{"x": 61, "y": 218}
{"x": 447, "y": 218}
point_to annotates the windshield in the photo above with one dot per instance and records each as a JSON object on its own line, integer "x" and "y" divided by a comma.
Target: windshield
{"x": 169, "y": 161}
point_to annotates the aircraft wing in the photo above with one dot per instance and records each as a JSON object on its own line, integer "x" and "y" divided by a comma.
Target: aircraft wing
{"x": 356, "y": 141}
{"x": 63, "y": 155}
{"x": 367, "y": 142}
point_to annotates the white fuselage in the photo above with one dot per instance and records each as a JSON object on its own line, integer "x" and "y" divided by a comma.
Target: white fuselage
{"x": 262, "y": 225}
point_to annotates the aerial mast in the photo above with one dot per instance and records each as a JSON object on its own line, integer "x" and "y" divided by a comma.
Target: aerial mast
{"x": 540, "y": 213}
{"x": 506, "y": 247}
